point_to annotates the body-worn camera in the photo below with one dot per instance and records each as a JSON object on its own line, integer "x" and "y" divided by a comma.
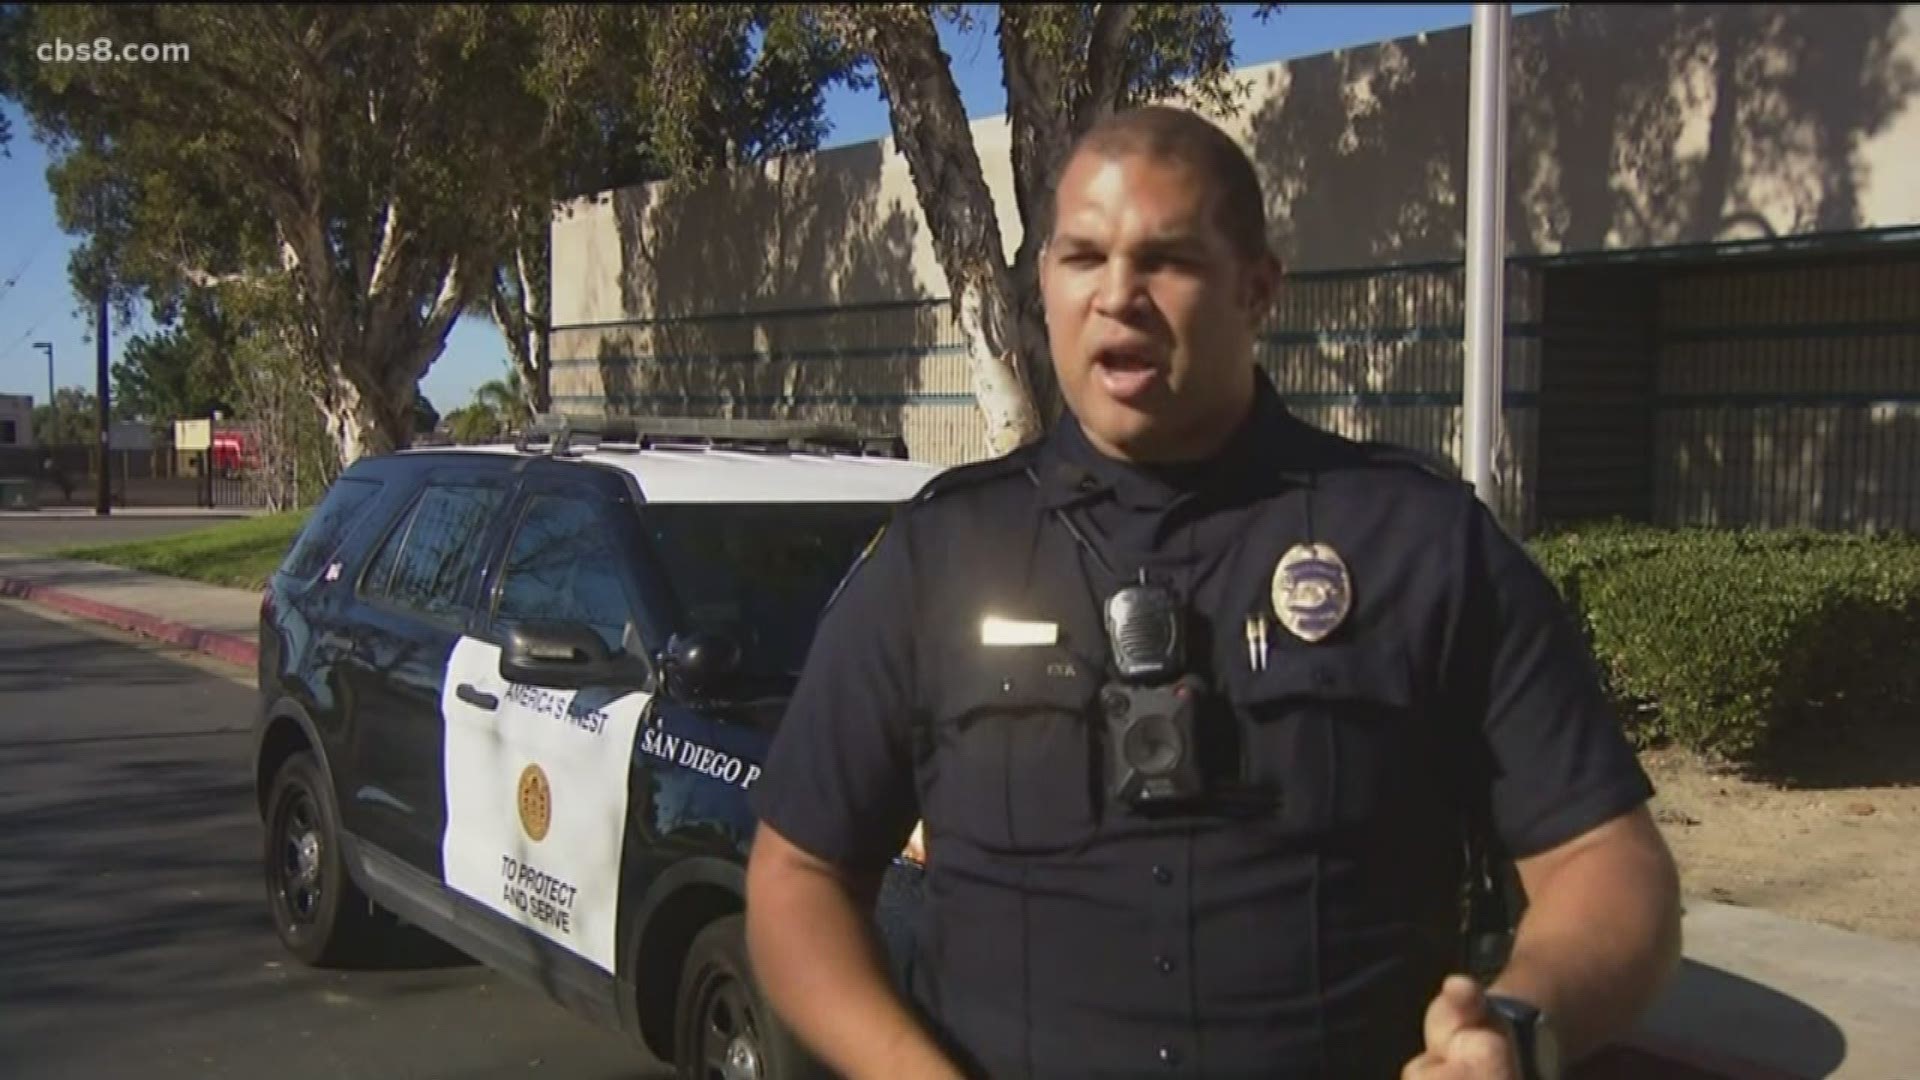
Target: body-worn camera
{"x": 1151, "y": 708}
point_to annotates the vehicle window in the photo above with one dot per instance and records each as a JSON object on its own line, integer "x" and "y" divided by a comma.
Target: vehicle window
{"x": 328, "y": 527}
{"x": 562, "y": 565}
{"x": 427, "y": 559}
{"x": 760, "y": 573}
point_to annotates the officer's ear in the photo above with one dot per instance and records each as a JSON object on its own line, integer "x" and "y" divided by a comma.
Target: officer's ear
{"x": 1260, "y": 280}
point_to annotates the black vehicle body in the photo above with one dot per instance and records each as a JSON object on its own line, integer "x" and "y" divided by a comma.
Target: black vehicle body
{"x": 358, "y": 683}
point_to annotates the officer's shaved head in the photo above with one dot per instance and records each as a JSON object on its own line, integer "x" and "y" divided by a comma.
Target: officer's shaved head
{"x": 1156, "y": 279}
{"x": 1178, "y": 137}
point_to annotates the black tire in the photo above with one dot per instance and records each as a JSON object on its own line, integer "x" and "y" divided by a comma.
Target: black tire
{"x": 724, "y": 1029}
{"x": 320, "y": 914}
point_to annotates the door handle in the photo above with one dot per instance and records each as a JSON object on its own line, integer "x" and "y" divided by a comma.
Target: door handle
{"x": 465, "y": 692}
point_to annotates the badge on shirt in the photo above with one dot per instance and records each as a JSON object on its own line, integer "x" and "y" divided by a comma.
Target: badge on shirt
{"x": 1311, "y": 591}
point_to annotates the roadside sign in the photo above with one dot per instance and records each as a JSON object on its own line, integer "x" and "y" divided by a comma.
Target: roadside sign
{"x": 192, "y": 434}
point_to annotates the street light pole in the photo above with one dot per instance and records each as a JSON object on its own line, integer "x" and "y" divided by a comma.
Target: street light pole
{"x": 103, "y": 482}
{"x": 53, "y": 417}
{"x": 103, "y": 485}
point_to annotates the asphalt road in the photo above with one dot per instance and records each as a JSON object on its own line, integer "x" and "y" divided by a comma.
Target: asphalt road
{"x": 133, "y": 922}
{"x": 44, "y": 532}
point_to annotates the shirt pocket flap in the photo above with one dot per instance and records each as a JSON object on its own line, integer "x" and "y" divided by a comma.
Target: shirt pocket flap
{"x": 1338, "y": 730}
{"x": 1376, "y": 673}
{"x": 1013, "y": 764}
{"x": 1015, "y": 681}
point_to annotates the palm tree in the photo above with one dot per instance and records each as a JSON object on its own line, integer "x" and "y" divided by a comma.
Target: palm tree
{"x": 503, "y": 399}
{"x": 497, "y": 409}
{"x": 471, "y": 424}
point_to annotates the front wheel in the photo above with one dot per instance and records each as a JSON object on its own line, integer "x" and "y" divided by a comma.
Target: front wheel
{"x": 320, "y": 914}
{"x": 724, "y": 1028}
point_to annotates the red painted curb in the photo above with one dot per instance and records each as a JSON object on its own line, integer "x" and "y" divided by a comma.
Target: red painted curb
{"x": 228, "y": 647}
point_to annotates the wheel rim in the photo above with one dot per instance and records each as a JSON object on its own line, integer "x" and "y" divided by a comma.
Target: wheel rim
{"x": 729, "y": 1032}
{"x": 297, "y": 870}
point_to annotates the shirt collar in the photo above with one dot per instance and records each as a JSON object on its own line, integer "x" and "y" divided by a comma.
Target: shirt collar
{"x": 1269, "y": 443}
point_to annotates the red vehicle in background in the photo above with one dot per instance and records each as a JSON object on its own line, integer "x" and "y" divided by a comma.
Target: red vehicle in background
{"x": 232, "y": 453}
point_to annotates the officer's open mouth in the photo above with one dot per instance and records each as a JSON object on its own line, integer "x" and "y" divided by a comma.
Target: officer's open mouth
{"x": 1126, "y": 372}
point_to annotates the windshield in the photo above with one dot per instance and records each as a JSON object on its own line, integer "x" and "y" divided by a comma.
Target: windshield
{"x": 760, "y": 573}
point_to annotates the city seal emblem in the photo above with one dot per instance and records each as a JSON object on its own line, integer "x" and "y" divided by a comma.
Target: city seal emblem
{"x": 536, "y": 803}
{"x": 1312, "y": 593}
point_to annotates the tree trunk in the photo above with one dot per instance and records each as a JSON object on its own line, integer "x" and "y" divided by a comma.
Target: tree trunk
{"x": 527, "y": 345}
{"x": 536, "y": 380}
{"x": 1037, "y": 112}
{"x": 1033, "y": 346}
{"x": 998, "y": 382}
{"x": 1048, "y": 108}
{"x": 930, "y": 127}
{"x": 363, "y": 425}
{"x": 518, "y": 303}
{"x": 374, "y": 353}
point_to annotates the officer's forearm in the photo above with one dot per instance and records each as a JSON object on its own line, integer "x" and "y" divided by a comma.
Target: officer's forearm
{"x": 815, "y": 954}
{"x": 1600, "y": 938}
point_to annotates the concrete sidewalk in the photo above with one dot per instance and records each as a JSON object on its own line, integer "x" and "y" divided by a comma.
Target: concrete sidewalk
{"x": 1761, "y": 997}
{"x": 207, "y": 618}
{"x": 1797, "y": 998}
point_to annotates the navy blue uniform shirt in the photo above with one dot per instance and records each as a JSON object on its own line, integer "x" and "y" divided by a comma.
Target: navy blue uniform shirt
{"x": 1298, "y": 922}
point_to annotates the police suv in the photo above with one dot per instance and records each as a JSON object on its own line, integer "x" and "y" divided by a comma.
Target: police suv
{"x": 516, "y": 696}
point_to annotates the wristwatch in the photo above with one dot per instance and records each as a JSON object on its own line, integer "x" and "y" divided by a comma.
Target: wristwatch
{"x": 1533, "y": 1037}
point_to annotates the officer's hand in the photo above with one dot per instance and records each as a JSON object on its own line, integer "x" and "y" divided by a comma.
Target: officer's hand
{"x": 1465, "y": 1039}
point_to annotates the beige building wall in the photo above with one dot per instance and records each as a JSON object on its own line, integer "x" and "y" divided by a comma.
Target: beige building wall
{"x": 808, "y": 286}
{"x": 1631, "y": 127}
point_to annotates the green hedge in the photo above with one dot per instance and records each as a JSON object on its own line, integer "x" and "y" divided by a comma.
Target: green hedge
{"x": 1722, "y": 641}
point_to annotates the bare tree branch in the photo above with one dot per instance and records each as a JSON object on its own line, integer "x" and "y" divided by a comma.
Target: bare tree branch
{"x": 931, "y": 129}
{"x": 446, "y": 305}
{"x": 1106, "y": 63}
{"x": 391, "y": 239}
{"x": 204, "y": 279}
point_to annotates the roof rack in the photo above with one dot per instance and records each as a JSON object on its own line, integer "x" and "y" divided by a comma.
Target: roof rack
{"x": 567, "y": 433}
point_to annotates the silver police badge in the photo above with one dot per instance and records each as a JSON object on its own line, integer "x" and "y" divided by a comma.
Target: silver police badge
{"x": 1311, "y": 591}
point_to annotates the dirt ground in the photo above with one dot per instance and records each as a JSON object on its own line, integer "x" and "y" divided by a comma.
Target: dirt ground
{"x": 1830, "y": 832}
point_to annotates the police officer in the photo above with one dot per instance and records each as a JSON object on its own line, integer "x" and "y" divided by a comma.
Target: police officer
{"x": 1196, "y": 703}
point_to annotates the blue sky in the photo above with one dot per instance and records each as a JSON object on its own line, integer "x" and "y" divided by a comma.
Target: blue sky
{"x": 37, "y": 305}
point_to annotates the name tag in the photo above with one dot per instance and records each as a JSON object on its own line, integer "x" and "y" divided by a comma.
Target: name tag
{"x": 997, "y": 631}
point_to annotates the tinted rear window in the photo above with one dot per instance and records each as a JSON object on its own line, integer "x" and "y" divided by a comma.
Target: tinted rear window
{"x": 327, "y": 529}
{"x": 426, "y": 562}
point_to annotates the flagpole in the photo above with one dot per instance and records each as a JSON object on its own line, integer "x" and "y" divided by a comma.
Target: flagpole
{"x": 1486, "y": 246}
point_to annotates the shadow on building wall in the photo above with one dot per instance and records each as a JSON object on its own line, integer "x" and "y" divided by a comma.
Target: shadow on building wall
{"x": 1693, "y": 125}
{"x": 1631, "y": 128}
{"x": 770, "y": 293}
{"x": 1365, "y": 151}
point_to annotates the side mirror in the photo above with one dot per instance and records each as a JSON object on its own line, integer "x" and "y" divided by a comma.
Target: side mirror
{"x": 559, "y": 656}
{"x": 696, "y": 663}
